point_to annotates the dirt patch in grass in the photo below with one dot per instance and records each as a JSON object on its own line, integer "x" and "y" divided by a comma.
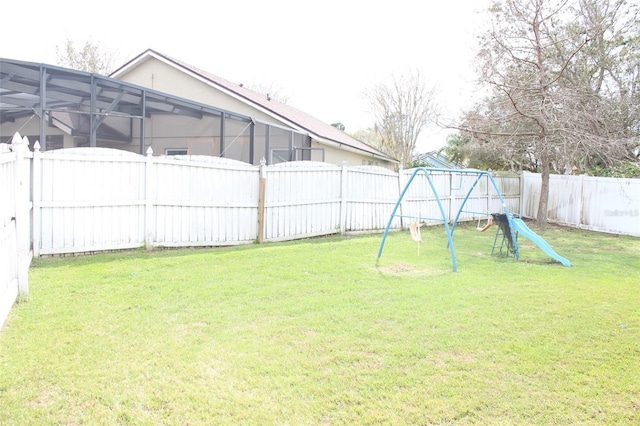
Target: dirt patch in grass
{"x": 406, "y": 270}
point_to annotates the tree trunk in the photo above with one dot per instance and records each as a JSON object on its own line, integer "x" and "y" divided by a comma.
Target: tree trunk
{"x": 543, "y": 205}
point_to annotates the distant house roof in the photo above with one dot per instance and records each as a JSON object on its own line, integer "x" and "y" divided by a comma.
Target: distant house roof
{"x": 436, "y": 160}
{"x": 319, "y": 130}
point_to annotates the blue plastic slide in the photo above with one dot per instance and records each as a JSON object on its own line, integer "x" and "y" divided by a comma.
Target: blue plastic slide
{"x": 524, "y": 230}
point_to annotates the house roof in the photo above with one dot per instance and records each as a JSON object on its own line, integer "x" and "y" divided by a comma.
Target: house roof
{"x": 319, "y": 130}
{"x": 435, "y": 159}
{"x": 68, "y": 98}
{"x": 20, "y": 93}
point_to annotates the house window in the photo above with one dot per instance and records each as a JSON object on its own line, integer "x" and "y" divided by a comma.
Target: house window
{"x": 176, "y": 151}
{"x": 309, "y": 154}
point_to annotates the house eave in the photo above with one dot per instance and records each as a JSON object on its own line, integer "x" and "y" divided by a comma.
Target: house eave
{"x": 346, "y": 147}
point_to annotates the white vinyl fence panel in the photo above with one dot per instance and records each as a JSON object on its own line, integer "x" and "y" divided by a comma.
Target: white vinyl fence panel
{"x": 203, "y": 201}
{"x": 370, "y": 195}
{"x": 511, "y": 189}
{"x": 89, "y": 199}
{"x": 303, "y": 199}
{"x": 595, "y": 203}
{"x": 8, "y": 245}
{"x": 95, "y": 199}
{"x": 15, "y": 220}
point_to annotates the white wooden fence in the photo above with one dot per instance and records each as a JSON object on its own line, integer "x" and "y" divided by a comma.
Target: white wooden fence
{"x": 15, "y": 224}
{"x": 595, "y": 203}
{"x": 92, "y": 199}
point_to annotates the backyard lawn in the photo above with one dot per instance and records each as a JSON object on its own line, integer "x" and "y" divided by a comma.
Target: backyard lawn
{"x": 320, "y": 332}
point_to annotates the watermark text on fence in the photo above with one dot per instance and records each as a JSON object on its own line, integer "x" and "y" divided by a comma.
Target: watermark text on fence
{"x": 622, "y": 213}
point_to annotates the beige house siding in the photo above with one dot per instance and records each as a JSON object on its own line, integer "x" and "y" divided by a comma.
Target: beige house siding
{"x": 337, "y": 156}
{"x": 166, "y": 77}
{"x": 158, "y": 75}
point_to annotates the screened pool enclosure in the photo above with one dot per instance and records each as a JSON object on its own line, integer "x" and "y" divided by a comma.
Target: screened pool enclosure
{"x": 64, "y": 108}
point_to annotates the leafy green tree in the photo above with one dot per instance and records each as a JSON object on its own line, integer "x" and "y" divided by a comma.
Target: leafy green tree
{"x": 458, "y": 150}
{"x": 369, "y": 136}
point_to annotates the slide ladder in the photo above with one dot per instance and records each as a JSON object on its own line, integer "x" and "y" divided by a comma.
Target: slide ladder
{"x": 500, "y": 241}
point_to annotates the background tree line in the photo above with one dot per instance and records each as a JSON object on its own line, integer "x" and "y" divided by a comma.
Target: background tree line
{"x": 562, "y": 91}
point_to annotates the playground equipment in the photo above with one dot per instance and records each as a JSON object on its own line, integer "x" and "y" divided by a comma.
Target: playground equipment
{"x": 508, "y": 226}
{"x": 415, "y": 234}
{"x": 487, "y": 226}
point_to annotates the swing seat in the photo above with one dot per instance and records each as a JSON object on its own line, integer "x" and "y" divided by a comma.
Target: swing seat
{"x": 415, "y": 232}
{"x": 487, "y": 226}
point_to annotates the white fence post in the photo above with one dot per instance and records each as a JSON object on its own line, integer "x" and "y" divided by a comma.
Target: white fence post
{"x": 262, "y": 193}
{"x": 148, "y": 204}
{"x": 402, "y": 182}
{"x": 23, "y": 238}
{"x": 36, "y": 184}
{"x": 343, "y": 198}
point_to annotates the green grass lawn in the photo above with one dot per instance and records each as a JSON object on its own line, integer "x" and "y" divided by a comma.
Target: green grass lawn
{"x": 319, "y": 332}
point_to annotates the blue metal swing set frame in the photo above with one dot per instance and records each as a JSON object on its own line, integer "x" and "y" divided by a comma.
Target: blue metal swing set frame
{"x": 451, "y": 228}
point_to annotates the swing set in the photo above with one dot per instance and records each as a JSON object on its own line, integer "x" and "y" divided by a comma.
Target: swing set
{"x": 506, "y": 229}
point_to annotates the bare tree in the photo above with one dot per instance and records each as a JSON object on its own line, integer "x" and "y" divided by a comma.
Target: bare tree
{"x": 547, "y": 64}
{"x": 91, "y": 57}
{"x": 401, "y": 110}
{"x": 270, "y": 91}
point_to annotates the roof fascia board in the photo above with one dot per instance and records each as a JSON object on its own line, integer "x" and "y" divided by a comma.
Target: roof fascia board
{"x": 346, "y": 147}
{"x": 133, "y": 63}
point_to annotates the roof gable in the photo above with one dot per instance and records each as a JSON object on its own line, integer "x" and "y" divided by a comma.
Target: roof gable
{"x": 297, "y": 119}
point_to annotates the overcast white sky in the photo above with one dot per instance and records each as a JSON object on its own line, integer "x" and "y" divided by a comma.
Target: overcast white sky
{"x": 322, "y": 54}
